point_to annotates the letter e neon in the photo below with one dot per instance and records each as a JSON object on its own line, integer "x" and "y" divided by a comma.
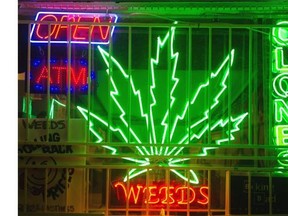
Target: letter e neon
{"x": 281, "y": 134}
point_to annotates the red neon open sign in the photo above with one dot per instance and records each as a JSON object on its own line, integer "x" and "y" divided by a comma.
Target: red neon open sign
{"x": 87, "y": 27}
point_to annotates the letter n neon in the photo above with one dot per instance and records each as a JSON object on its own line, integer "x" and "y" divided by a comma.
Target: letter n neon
{"x": 281, "y": 110}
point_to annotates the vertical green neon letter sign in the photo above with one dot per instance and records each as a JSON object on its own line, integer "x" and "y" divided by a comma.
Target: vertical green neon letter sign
{"x": 280, "y": 87}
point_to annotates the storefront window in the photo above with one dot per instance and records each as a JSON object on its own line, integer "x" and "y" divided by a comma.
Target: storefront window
{"x": 139, "y": 118}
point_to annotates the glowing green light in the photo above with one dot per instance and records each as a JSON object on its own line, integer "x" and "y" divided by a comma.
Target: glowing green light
{"x": 283, "y": 162}
{"x": 281, "y": 134}
{"x": 221, "y": 123}
{"x": 222, "y": 85}
{"x": 154, "y": 62}
{"x": 236, "y": 121}
{"x": 280, "y": 34}
{"x": 169, "y": 116}
{"x": 280, "y": 85}
{"x": 176, "y": 81}
{"x": 194, "y": 180}
{"x": 115, "y": 94}
{"x": 281, "y": 110}
{"x": 133, "y": 173}
{"x": 96, "y": 134}
{"x": 29, "y": 111}
{"x": 280, "y": 65}
{"x": 51, "y": 113}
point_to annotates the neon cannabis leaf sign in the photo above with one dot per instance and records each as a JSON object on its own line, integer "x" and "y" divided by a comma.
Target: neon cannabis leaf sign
{"x": 162, "y": 123}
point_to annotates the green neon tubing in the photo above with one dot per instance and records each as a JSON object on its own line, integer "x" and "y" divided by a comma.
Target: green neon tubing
{"x": 154, "y": 62}
{"x": 280, "y": 34}
{"x": 280, "y": 85}
{"x": 192, "y": 181}
{"x": 100, "y": 139}
{"x": 115, "y": 93}
{"x": 176, "y": 81}
{"x": 137, "y": 93}
{"x": 280, "y": 65}
{"x": 236, "y": 121}
{"x": 143, "y": 163}
{"x": 223, "y": 86}
{"x": 29, "y": 111}
{"x": 281, "y": 110}
{"x": 216, "y": 101}
{"x": 220, "y": 123}
{"x": 133, "y": 174}
{"x": 51, "y": 112}
{"x": 283, "y": 162}
{"x": 158, "y": 140}
{"x": 281, "y": 134}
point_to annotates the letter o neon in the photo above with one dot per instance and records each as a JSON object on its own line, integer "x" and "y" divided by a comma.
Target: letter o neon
{"x": 39, "y": 25}
{"x": 280, "y": 85}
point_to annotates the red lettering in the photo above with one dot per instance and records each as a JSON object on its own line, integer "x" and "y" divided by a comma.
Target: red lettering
{"x": 43, "y": 75}
{"x": 152, "y": 195}
{"x": 58, "y": 72}
{"x": 162, "y": 195}
{"x": 204, "y": 193}
{"x": 81, "y": 32}
{"x": 42, "y": 31}
{"x": 101, "y": 28}
{"x": 184, "y": 196}
{"x": 168, "y": 194}
{"x": 79, "y": 28}
{"x": 82, "y": 76}
{"x": 135, "y": 196}
{"x": 62, "y": 27}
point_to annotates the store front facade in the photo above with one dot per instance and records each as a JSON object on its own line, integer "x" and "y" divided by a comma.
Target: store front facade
{"x": 152, "y": 108}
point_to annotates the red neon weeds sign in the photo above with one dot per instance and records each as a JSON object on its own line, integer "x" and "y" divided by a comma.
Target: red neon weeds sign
{"x": 79, "y": 24}
{"x": 161, "y": 194}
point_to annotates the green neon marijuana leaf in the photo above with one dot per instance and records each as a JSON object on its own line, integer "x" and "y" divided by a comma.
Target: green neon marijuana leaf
{"x": 163, "y": 120}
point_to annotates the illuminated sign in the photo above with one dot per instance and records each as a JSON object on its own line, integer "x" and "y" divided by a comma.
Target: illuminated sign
{"x": 160, "y": 194}
{"x": 163, "y": 123}
{"x": 79, "y": 27}
{"x": 281, "y": 134}
{"x": 280, "y": 88}
{"x": 58, "y": 76}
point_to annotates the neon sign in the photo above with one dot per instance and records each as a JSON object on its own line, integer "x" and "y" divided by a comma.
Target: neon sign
{"x": 281, "y": 134}
{"x": 160, "y": 194}
{"x": 280, "y": 87}
{"x": 163, "y": 124}
{"x": 82, "y": 26}
{"x": 58, "y": 76}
